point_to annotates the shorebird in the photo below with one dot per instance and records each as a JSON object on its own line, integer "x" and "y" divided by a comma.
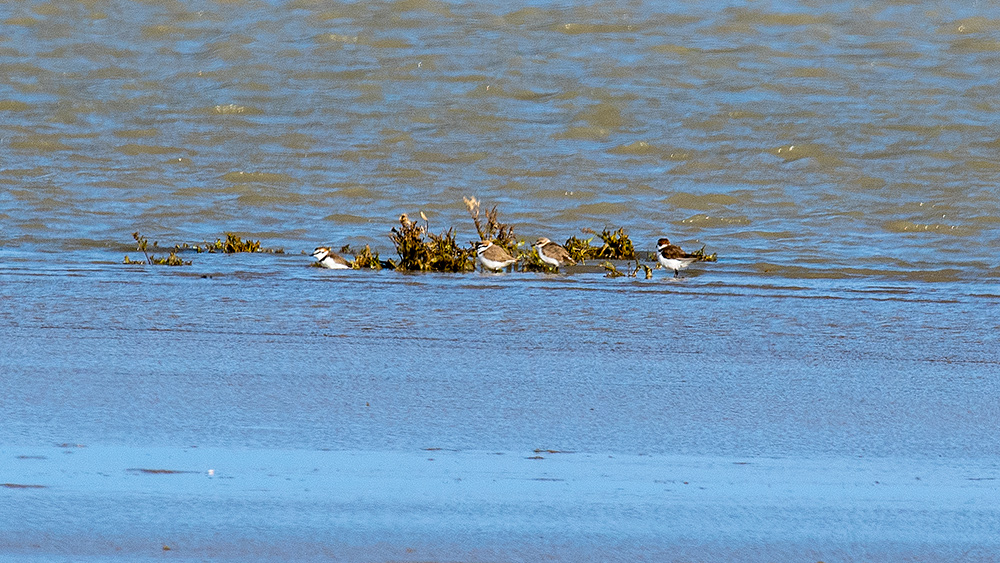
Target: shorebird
{"x": 330, "y": 259}
{"x": 671, "y": 256}
{"x": 492, "y": 256}
{"x": 553, "y": 254}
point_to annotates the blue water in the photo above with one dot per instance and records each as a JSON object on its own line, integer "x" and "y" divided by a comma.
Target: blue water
{"x": 840, "y": 159}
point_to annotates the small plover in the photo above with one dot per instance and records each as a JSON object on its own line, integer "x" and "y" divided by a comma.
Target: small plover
{"x": 671, "y": 256}
{"x": 553, "y": 254}
{"x": 493, "y": 257}
{"x": 330, "y": 259}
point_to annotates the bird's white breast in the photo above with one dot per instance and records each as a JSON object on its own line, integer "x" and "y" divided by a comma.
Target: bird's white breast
{"x": 545, "y": 258}
{"x": 329, "y": 262}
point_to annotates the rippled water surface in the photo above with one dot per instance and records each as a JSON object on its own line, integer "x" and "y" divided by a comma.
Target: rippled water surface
{"x": 841, "y": 158}
{"x": 827, "y": 137}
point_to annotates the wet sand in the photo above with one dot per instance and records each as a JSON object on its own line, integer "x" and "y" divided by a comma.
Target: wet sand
{"x": 711, "y": 418}
{"x": 112, "y": 502}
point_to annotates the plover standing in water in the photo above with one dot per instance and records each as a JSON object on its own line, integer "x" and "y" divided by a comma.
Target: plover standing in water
{"x": 493, "y": 257}
{"x": 671, "y": 256}
{"x": 553, "y": 254}
{"x": 330, "y": 259}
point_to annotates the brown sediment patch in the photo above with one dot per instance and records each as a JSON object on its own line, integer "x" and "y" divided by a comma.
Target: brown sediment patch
{"x": 158, "y": 471}
{"x": 707, "y": 201}
{"x": 449, "y": 158}
{"x": 136, "y": 133}
{"x": 13, "y": 105}
{"x": 638, "y": 148}
{"x": 134, "y": 149}
{"x": 582, "y": 132}
{"x": 578, "y": 28}
{"x": 40, "y": 143}
{"x": 240, "y": 176}
{"x": 21, "y": 486}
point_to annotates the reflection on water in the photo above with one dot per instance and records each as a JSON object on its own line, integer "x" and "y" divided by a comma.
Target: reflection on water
{"x": 786, "y": 138}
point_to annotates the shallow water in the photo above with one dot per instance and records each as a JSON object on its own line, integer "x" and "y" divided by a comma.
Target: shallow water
{"x": 388, "y": 360}
{"x": 206, "y": 503}
{"x": 840, "y": 159}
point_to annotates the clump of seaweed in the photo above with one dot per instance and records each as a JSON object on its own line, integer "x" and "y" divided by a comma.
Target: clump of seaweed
{"x": 702, "y": 257}
{"x": 617, "y": 245}
{"x": 501, "y": 234}
{"x": 614, "y": 272}
{"x": 234, "y": 244}
{"x": 529, "y": 261}
{"x": 440, "y": 254}
{"x": 364, "y": 259}
{"x": 171, "y": 260}
{"x": 413, "y": 251}
{"x": 579, "y": 249}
